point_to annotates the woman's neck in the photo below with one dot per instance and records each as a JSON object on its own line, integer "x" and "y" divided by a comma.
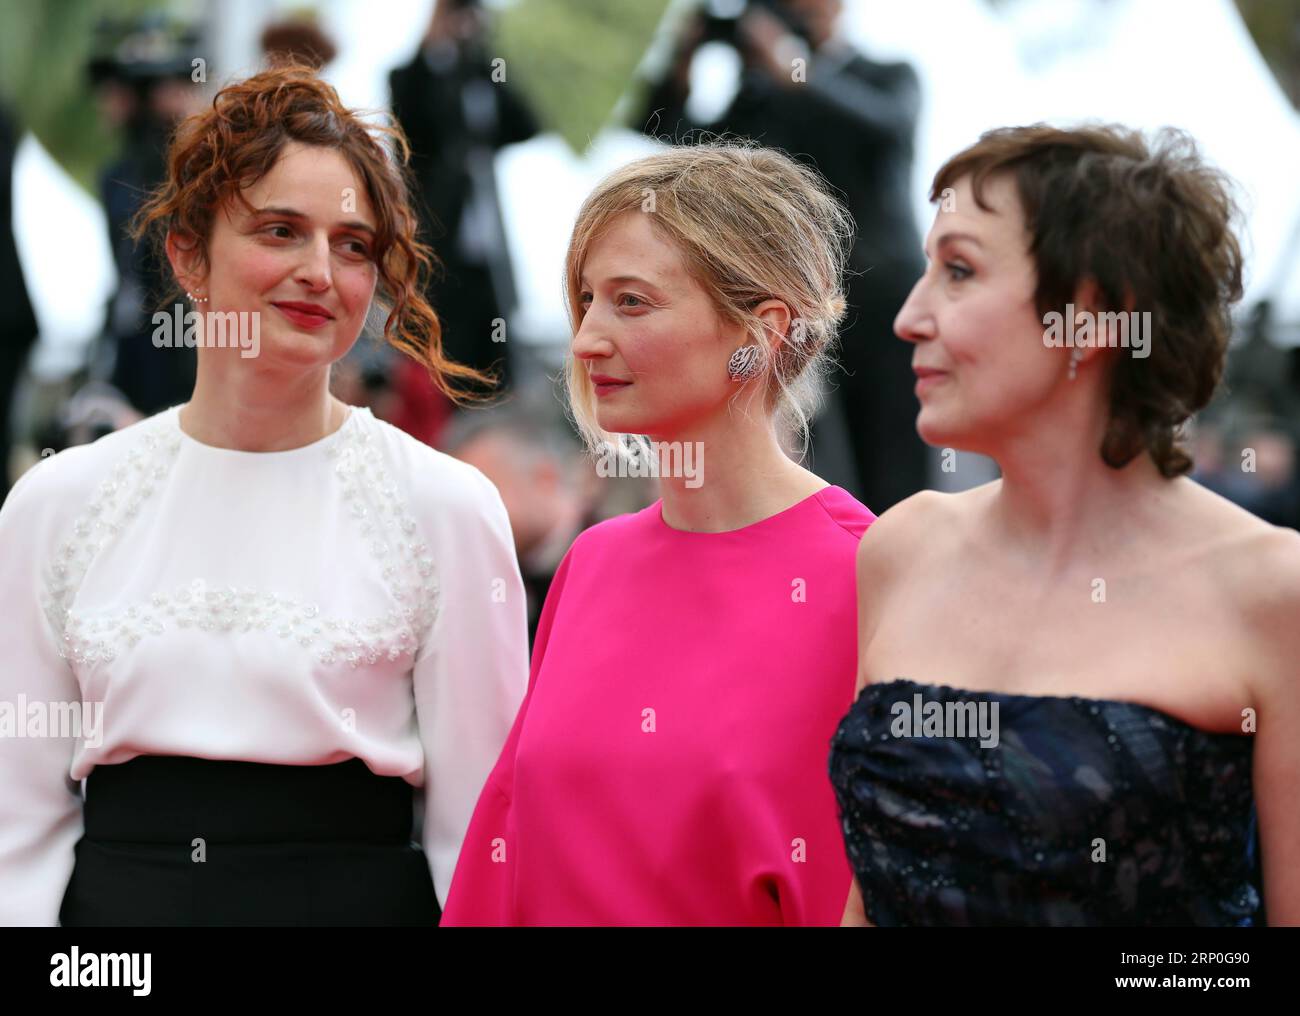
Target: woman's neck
{"x": 1059, "y": 504}
{"x": 740, "y": 475}
{"x": 262, "y": 413}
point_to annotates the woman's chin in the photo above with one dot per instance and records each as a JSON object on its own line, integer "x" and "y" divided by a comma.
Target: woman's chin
{"x": 613, "y": 422}
{"x": 934, "y": 430}
{"x": 301, "y": 351}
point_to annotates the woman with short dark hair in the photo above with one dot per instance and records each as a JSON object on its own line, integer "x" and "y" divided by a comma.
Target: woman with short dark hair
{"x": 1078, "y": 695}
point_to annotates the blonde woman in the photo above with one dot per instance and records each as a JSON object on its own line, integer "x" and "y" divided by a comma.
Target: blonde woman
{"x": 668, "y": 766}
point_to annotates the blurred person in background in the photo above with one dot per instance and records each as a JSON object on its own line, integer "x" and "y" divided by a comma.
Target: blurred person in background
{"x": 1253, "y": 464}
{"x": 145, "y": 83}
{"x": 297, "y": 40}
{"x": 1249, "y": 434}
{"x": 806, "y": 91}
{"x": 549, "y": 489}
{"x": 457, "y": 109}
{"x": 17, "y": 319}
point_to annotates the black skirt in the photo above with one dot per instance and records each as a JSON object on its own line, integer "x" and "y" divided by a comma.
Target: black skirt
{"x": 187, "y": 841}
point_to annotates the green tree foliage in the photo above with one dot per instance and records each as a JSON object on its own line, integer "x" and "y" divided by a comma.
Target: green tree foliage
{"x": 44, "y": 50}
{"x": 574, "y": 59}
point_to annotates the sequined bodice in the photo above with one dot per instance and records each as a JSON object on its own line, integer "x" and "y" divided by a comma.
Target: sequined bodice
{"x": 1084, "y": 811}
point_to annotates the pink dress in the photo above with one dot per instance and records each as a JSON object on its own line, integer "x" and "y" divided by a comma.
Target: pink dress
{"x": 668, "y": 765}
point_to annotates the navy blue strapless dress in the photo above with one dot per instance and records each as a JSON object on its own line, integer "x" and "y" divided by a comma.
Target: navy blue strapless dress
{"x": 1086, "y": 812}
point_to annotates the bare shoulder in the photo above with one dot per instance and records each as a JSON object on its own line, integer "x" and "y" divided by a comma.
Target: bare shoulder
{"x": 1254, "y": 559}
{"x": 898, "y": 544}
{"x": 1256, "y": 566}
{"x": 912, "y": 529}
{"x": 916, "y": 518}
{"x": 1263, "y": 570}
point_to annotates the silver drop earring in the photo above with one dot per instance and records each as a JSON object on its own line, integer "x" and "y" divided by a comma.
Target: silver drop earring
{"x": 745, "y": 363}
{"x": 1075, "y": 356}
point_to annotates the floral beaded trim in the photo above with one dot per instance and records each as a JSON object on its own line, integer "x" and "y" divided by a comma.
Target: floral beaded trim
{"x": 116, "y": 501}
{"x": 383, "y": 518}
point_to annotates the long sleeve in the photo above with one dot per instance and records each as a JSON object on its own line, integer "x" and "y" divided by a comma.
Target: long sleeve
{"x": 482, "y": 892}
{"x": 40, "y": 804}
{"x": 470, "y": 675}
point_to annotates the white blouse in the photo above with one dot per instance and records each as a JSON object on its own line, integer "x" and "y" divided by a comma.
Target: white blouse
{"x": 356, "y": 597}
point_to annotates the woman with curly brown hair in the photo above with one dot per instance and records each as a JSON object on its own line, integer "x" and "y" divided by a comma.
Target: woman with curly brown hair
{"x": 1078, "y": 696}
{"x": 254, "y": 623}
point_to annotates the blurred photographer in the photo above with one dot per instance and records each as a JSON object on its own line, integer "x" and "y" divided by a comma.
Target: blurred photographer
{"x": 17, "y": 318}
{"x": 457, "y": 110}
{"x": 142, "y": 80}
